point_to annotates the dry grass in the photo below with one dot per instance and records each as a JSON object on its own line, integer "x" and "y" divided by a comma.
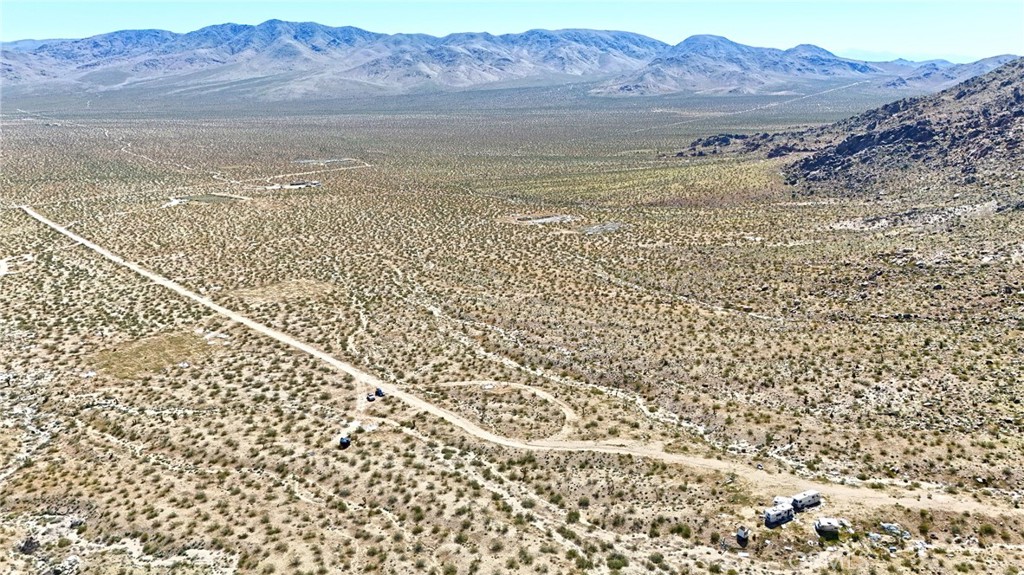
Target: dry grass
{"x": 285, "y": 290}
{"x": 722, "y": 319}
{"x": 132, "y": 359}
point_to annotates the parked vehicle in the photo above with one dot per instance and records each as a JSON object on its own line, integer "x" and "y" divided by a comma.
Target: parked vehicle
{"x": 806, "y": 499}
{"x": 782, "y": 500}
{"x": 778, "y": 515}
{"x": 827, "y": 525}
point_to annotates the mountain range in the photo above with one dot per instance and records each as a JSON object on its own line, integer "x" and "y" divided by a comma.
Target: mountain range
{"x": 286, "y": 60}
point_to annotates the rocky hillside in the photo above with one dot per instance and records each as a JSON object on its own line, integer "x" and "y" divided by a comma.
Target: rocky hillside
{"x": 972, "y": 133}
{"x": 288, "y": 60}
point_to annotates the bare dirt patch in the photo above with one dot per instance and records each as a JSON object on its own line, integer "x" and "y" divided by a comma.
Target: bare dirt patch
{"x": 539, "y": 219}
{"x": 151, "y": 354}
{"x": 212, "y": 199}
{"x": 603, "y": 228}
{"x": 285, "y": 290}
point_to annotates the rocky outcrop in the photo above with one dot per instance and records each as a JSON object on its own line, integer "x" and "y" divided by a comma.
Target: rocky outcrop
{"x": 969, "y": 134}
{"x": 826, "y": 164}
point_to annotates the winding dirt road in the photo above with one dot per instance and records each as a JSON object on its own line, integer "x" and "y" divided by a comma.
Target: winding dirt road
{"x": 843, "y": 497}
{"x": 571, "y": 417}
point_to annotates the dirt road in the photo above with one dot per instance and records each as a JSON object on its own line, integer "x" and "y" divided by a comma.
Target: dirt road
{"x": 571, "y": 418}
{"x": 843, "y": 497}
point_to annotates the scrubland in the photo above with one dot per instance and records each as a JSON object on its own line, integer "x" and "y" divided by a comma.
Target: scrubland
{"x": 726, "y": 339}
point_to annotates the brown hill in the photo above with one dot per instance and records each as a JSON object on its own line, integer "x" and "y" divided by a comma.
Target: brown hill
{"x": 972, "y": 133}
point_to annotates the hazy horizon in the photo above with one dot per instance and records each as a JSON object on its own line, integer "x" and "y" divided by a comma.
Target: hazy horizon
{"x": 916, "y": 30}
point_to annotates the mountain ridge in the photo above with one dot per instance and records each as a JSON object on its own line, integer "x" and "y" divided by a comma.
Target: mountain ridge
{"x": 307, "y": 59}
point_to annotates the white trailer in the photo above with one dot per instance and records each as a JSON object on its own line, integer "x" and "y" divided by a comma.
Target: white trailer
{"x": 827, "y": 525}
{"x": 806, "y": 499}
{"x": 778, "y": 515}
{"x": 782, "y": 500}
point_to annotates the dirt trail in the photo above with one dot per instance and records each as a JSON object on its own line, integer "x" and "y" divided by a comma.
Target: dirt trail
{"x": 310, "y": 172}
{"x": 844, "y": 497}
{"x": 571, "y": 417}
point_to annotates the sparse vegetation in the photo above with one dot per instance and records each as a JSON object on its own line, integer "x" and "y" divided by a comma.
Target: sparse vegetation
{"x": 722, "y": 326}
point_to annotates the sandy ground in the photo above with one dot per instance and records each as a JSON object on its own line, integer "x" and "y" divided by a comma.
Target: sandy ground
{"x": 842, "y": 497}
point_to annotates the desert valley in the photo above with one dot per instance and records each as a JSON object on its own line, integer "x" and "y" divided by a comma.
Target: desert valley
{"x": 554, "y": 302}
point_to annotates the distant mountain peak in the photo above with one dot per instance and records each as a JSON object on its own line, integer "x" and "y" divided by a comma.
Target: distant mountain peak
{"x": 275, "y": 24}
{"x": 707, "y": 44}
{"x": 707, "y": 39}
{"x": 810, "y": 50}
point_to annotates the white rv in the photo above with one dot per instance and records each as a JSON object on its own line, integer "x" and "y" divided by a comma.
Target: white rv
{"x": 782, "y": 500}
{"x": 806, "y": 499}
{"x": 827, "y": 525}
{"x": 778, "y": 514}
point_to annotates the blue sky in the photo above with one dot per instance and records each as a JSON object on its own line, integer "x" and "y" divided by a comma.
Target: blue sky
{"x": 869, "y": 29}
